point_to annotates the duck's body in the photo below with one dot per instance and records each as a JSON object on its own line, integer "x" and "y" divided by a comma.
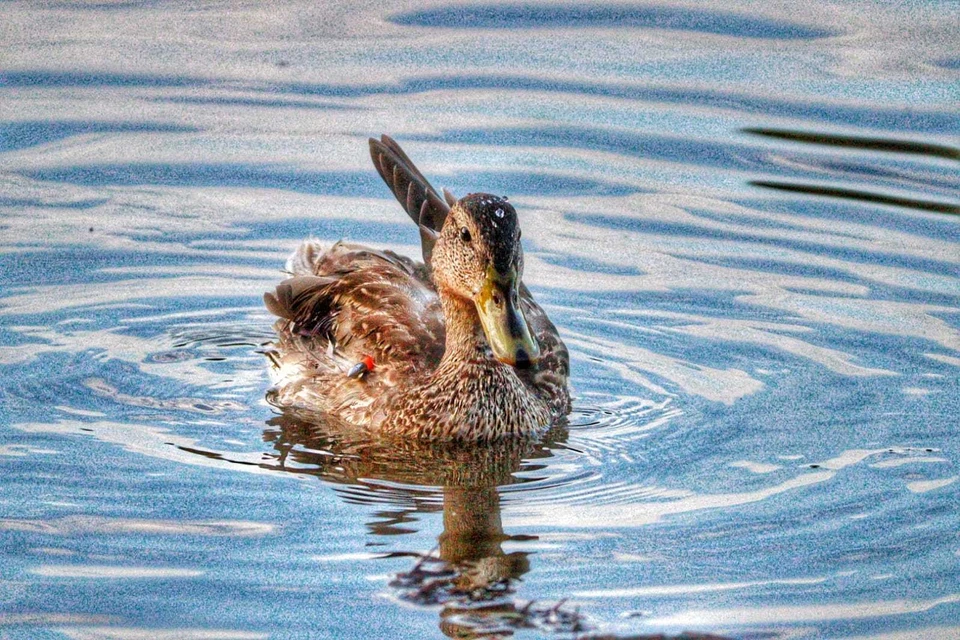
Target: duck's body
{"x": 458, "y": 346}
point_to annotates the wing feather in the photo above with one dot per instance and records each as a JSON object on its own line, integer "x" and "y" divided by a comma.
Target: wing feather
{"x": 550, "y": 375}
{"x": 412, "y": 190}
{"x": 362, "y": 302}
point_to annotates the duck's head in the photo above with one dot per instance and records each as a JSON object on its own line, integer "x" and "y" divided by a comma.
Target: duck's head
{"x": 478, "y": 257}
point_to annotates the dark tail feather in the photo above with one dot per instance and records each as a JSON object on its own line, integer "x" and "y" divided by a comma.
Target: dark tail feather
{"x": 391, "y": 144}
{"x": 420, "y": 200}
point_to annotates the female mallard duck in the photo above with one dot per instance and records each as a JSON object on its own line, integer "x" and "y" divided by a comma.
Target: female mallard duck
{"x": 455, "y": 347}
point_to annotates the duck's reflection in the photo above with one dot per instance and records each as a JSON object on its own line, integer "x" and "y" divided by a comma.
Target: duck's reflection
{"x": 470, "y": 574}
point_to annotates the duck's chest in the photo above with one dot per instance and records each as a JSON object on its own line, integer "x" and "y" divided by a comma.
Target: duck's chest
{"x": 473, "y": 402}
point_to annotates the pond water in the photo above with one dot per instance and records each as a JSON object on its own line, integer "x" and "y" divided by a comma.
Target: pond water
{"x": 743, "y": 220}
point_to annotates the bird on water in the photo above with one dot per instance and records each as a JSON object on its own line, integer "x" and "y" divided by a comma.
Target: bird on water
{"x": 454, "y": 347}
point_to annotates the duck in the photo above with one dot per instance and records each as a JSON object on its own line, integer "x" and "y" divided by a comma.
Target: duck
{"x": 451, "y": 348}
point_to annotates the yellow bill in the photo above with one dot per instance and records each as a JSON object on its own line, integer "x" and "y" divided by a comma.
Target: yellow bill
{"x": 503, "y": 322}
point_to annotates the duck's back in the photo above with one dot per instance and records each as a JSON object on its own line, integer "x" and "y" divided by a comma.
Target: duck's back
{"x": 345, "y": 305}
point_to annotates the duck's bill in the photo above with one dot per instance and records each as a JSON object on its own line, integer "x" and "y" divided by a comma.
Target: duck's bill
{"x": 503, "y": 323}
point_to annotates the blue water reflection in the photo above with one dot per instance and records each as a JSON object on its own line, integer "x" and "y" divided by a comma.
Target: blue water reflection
{"x": 812, "y": 110}
{"x": 331, "y": 182}
{"x": 19, "y": 135}
{"x": 743, "y": 224}
{"x": 620, "y": 16}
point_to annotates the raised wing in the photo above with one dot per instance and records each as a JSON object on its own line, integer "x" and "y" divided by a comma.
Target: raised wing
{"x": 419, "y": 199}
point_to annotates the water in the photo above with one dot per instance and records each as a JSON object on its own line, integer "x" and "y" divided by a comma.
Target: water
{"x": 744, "y": 225}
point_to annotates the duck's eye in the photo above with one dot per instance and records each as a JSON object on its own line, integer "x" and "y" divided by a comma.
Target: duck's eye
{"x": 465, "y": 234}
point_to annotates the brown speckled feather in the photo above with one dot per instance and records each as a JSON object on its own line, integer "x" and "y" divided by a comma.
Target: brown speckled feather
{"x": 355, "y": 302}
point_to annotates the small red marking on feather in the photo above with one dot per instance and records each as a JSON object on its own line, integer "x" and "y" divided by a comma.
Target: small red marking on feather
{"x": 368, "y": 362}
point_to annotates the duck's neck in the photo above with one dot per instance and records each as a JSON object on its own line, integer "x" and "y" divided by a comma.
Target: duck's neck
{"x": 470, "y": 394}
{"x": 466, "y": 343}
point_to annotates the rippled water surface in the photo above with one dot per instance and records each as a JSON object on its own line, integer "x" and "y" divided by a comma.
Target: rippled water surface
{"x": 742, "y": 217}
